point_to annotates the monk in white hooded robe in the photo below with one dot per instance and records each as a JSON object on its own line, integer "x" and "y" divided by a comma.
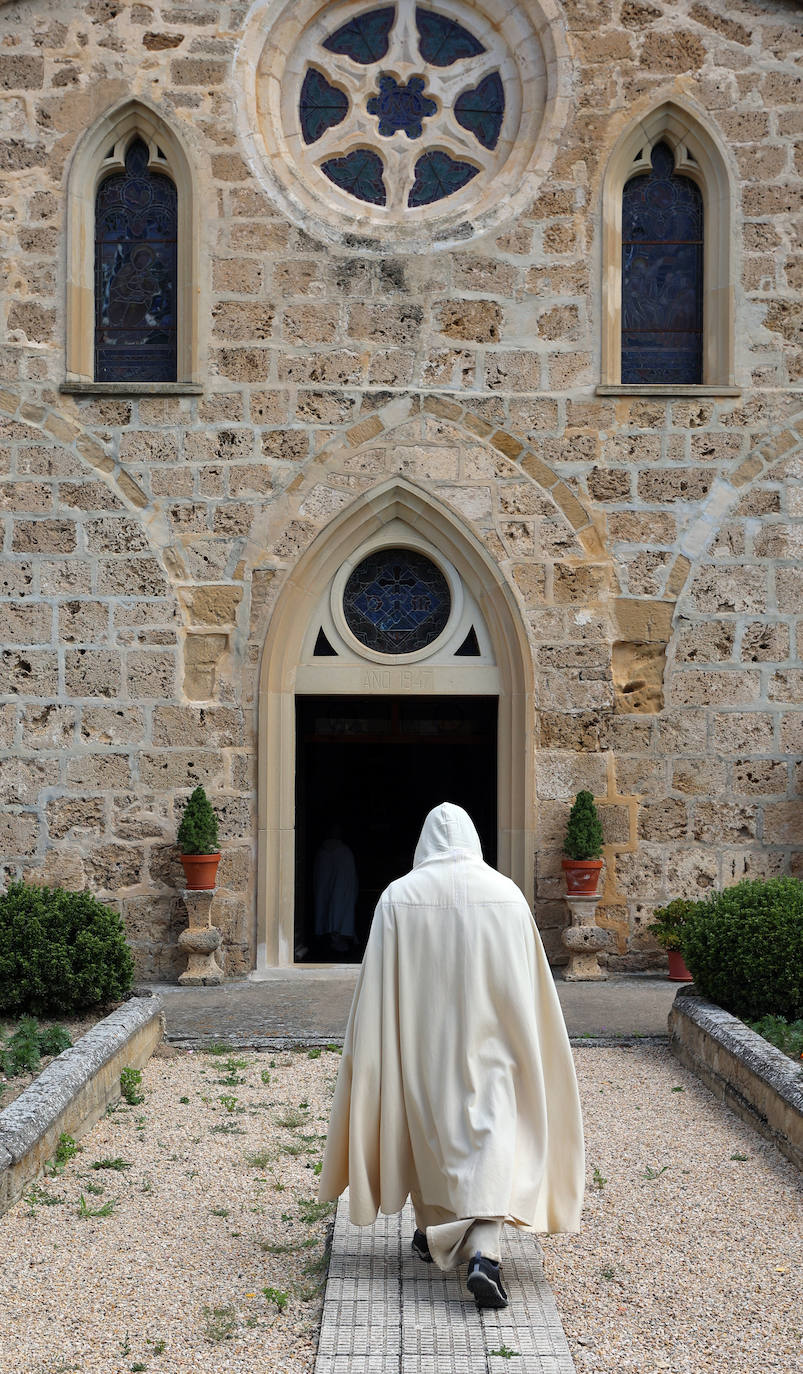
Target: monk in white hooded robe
{"x": 456, "y": 1084}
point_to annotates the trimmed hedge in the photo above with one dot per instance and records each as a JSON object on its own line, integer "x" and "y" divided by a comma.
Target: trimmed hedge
{"x": 60, "y": 952}
{"x": 744, "y": 948}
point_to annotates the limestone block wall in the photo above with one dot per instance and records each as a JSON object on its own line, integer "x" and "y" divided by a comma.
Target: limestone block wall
{"x": 653, "y": 543}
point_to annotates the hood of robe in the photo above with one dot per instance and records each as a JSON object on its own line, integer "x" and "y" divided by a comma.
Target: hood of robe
{"x": 448, "y": 830}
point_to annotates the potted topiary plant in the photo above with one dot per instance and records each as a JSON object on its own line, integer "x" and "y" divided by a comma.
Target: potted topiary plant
{"x": 667, "y": 927}
{"x": 198, "y": 842}
{"x": 583, "y": 847}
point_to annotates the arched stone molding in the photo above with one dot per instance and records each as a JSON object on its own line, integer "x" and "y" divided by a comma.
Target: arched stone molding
{"x": 700, "y": 155}
{"x": 725, "y": 491}
{"x": 397, "y": 499}
{"x": 389, "y": 424}
{"x": 204, "y": 655}
{"x": 102, "y": 150}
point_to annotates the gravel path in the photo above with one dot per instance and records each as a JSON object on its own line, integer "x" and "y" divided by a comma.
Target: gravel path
{"x": 689, "y": 1255}
{"x": 210, "y": 1213}
{"x": 688, "y": 1258}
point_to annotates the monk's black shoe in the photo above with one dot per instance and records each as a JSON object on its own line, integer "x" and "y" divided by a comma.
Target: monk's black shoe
{"x": 484, "y": 1282}
{"x": 420, "y": 1246}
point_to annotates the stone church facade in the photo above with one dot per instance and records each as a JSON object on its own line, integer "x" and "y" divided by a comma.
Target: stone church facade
{"x": 398, "y": 310}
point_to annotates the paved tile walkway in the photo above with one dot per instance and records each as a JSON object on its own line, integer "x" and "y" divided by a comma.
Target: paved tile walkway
{"x": 387, "y": 1313}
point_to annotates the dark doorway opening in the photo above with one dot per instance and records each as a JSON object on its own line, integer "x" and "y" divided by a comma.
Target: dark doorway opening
{"x": 374, "y": 767}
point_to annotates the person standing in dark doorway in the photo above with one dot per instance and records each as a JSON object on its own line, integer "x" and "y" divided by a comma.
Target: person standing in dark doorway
{"x": 334, "y": 891}
{"x": 456, "y": 1084}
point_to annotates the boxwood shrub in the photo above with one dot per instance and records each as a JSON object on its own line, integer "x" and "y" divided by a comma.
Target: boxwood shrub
{"x": 744, "y": 948}
{"x": 60, "y": 952}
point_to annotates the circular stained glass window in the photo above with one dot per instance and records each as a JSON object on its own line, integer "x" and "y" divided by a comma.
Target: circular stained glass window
{"x": 403, "y": 115}
{"x": 396, "y": 601}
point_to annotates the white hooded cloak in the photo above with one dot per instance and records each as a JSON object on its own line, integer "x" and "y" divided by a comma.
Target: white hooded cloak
{"x": 456, "y": 1082}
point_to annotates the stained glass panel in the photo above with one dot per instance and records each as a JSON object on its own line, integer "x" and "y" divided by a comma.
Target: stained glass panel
{"x": 401, "y": 107}
{"x": 359, "y": 173}
{"x": 662, "y": 276}
{"x": 365, "y": 38}
{"x": 443, "y": 41}
{"x": 321, "y": 106}
{"x": 135, "y": 273}
{"x": 438, "y": 175}
{"x": 482, "y": 110}
{"x": 396, "y": 601}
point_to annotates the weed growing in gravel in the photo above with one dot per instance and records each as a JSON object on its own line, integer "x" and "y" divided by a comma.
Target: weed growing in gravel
{"x": 654, "y": 1173}
{"x": 319, "y": 1264}
{"x": 117, "y": 1163}
{"x": 84, "y": 1210}
{"x": 741, "y": 1158}
{"x": 291, "y": 1119}
{"x": 229, "y": 1102}
{"x": 130, "y": 1080}
{"x": 232, "y": 1077}
{"x": 219, "y": 1047}
{"x": 311, "y": 1211}
{"x": 228, "y": 1128}
{"x": 221, "y": 1323}
{"x": 184, "y": 1100}
{"x": 65, "y": 1151}
{"x": 138, "y": 1367}
{"x": 265, "y": 1076}
{"x": 608, "y": 1273}
{"x": 39, "y": 1197}
{"x": 276, "y": 1295}
{"x": 94, "y": 1188}
{"x": 269, "y": 1247}
{"x": 314, "y": 1053}
{"x": 219, "y": 1211}
{"x": 677, "y": 1089}
{"x": 159, "y": 1345}
{"x": 334, "y": 1049}
{"x": 599, "y": 1181}
{"x": 260, "y": 1159}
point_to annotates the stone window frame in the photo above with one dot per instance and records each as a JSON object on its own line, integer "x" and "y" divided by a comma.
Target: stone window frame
{"x": 100, "y": 153}
{"x": 699, "y": 156}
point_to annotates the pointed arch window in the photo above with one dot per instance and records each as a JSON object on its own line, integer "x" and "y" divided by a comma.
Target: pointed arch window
{"x": 133, "y": 258}
{"x": 662, "y": 275}
{"x": 136, "y": 284}
{"x": 667, "y": 283}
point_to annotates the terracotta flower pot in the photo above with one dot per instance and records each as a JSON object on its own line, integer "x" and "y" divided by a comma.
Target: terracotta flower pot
{"x": 582, "y": 876}
{"x": 200, "y": 870}
{"x": 678, "y": 973}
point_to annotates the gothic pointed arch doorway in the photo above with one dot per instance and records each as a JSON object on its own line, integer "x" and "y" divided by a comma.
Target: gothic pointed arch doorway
{"x": 396, "y": 630}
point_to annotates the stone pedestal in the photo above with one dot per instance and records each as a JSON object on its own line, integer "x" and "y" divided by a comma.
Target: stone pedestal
{"x": 200, "y": 941}
{"x": 584, "y": 941}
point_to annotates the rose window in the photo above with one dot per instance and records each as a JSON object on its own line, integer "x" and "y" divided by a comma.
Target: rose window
{"x": 419, "y": 88}
{"x": 402, "y": 117}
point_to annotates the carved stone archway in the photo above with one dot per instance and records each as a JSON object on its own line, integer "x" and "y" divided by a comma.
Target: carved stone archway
{"x": 375, "y": 511}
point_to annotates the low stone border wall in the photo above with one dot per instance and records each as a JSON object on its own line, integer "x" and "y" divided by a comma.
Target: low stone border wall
{"x": 73, "y": 1092}
{"x": 760, "y": 1083}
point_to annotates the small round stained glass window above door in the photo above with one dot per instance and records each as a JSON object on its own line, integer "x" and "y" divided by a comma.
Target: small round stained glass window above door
{"x": 396, "y": 601}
